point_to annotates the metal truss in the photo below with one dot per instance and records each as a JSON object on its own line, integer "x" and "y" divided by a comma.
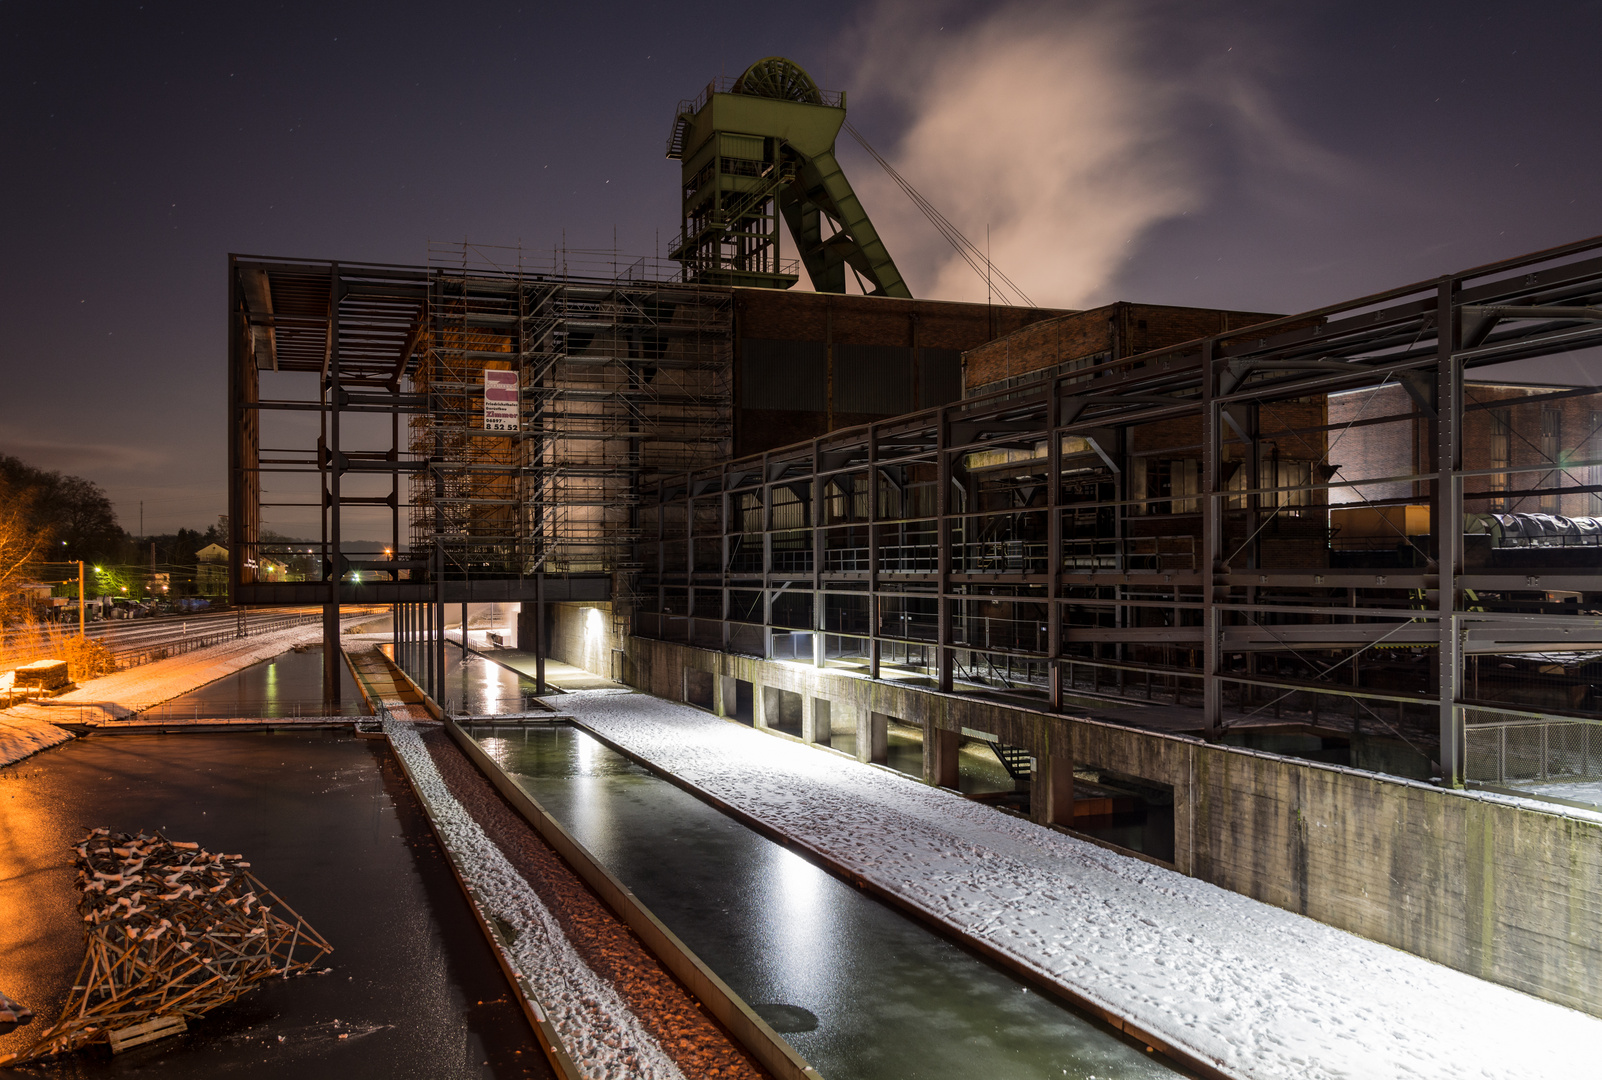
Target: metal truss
{"x": 621, "y": 379}
{"x": 1159, "y": 527}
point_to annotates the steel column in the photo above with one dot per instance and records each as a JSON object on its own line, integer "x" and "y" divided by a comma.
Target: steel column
{"x": 1448, "y": 522}
{"x": 1212, "y": 550}
{"x": 945, "y": 658}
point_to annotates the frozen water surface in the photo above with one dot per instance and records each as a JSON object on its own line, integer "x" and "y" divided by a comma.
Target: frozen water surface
{"x": 860, "y": 990}
{"x": 1261, "y": 991}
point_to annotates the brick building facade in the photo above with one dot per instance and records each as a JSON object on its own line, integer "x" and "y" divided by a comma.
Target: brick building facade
{"x": 808, "y": 363}
{"x": 1541, "y": 434}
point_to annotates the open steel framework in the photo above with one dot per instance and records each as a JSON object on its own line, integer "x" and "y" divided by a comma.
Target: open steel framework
{"x": 1160, "y": 526}
{"x": 621, "y": 376}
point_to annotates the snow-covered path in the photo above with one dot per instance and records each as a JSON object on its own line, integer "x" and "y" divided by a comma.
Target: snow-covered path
{"x": 1261, "y": 992}
{"x": 27, "y": 729}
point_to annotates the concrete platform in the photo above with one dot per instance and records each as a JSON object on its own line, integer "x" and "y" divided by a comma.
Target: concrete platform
{"x": 1256, "y": 991}
{"x": 564, "y": 677}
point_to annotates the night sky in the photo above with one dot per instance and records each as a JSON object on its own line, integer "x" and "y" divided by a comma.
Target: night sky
{"x": 1270, "y": 157}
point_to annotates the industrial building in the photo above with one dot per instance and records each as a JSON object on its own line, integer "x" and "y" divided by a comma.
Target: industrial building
{"x": 1120, "y": 547}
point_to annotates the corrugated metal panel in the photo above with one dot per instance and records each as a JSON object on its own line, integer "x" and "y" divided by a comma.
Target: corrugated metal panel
{"x": 872, "y": 379}
{"x": 941, "y": 376}
{"x": 742, "y": 146}
{"x": 789, "y": 375}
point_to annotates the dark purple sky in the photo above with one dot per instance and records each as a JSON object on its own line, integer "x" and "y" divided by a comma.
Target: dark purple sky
{"x": 1306, "y": 153}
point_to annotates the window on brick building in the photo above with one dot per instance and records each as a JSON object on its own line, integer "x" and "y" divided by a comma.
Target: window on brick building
{"x": 1165, "y": 479}
{"x": 1501, "y": 456}
{"x": 1281, "y": 472}
{"x": 1552, "y": 453}
{"x": 1594, "y": 472}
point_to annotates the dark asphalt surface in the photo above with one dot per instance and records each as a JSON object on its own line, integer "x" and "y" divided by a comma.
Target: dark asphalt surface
{"x": 329, "y": 824}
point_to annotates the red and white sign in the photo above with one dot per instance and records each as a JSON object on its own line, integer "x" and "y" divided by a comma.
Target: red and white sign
{"x": 500, "y": 400}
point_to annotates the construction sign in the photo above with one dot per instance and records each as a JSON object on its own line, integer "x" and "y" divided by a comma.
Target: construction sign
{"x": 500, "y": 400}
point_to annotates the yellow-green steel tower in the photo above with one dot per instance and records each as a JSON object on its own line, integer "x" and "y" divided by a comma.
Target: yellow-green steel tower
{"x": 758, "y": 149}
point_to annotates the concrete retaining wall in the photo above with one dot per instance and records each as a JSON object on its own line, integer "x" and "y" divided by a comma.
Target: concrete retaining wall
{"x": 1508, "y": 892}
{"x": 583, "y": 635}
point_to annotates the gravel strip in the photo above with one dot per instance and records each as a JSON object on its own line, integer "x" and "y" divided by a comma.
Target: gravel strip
{"x": 697, "y": 1043}
{"x": 599, "y": 1031}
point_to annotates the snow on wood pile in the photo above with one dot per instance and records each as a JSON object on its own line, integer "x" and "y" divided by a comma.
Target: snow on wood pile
{"x": 596, "y": 1027}
{"x": 1260, "y": 991}
{"x": 174, "y": 932}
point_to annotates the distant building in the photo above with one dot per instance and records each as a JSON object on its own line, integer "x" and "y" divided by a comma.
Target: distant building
{"x": 211, "y": 571}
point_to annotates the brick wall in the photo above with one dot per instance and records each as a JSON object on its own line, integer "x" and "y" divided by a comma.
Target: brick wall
{"x": 1404, "y": 446}
{"x": 780, "y": 315}
{"x": 1121, "y": 329}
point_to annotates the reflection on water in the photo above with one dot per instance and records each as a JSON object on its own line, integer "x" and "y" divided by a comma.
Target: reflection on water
{"x": 290, "y": 684}
{"x": 475, "y": 686}
{"x": 891, "y": 998}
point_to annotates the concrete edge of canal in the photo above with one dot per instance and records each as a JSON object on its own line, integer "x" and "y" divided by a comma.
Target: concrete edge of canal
{"x": 722, "y": 1003}
{"x": 1184, "y": 1059}
{"x": 727, "y": 1007}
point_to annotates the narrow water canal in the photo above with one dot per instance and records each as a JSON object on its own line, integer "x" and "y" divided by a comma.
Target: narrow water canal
{"x": 475, "y": 686}
{"x": 861, "y": 991}
{"x": 290, "y": 684}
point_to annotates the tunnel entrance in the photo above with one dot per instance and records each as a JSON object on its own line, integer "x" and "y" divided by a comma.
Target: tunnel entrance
{"x": 742, "y": 706}
{"x": 781, "y": 710}
{"x": 1128, "y": 811}
{"x": 903, "y": 745}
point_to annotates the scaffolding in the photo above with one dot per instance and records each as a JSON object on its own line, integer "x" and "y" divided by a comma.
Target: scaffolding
{"x": 529, "y": 398}
{"x": 620, "y": 379}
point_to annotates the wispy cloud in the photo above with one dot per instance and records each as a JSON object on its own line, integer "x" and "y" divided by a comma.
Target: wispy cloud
{"x": 1069, "y": 132}
{"x": 82, "y": 458}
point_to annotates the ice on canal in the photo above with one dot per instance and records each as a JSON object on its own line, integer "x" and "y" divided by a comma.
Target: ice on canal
{"x": 1260, "y": 991}
{"x": 861, "y": 991}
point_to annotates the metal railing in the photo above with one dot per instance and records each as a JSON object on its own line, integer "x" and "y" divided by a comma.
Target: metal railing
{"x": 1510, "y": 748}
{"x": 1131, "y": 553}
{"x": 161, "y": 650}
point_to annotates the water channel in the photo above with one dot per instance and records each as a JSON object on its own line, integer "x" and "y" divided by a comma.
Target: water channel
{"x": 475, "y": 686}
{"x": 290, "y": 684}
{"x": 861, "y": 991}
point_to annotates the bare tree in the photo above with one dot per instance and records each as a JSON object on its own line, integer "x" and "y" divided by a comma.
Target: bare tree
{"x": 21, "y": 541}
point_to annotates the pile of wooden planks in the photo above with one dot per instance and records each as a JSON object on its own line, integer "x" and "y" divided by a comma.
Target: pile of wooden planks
{"x": 174, "y": 932}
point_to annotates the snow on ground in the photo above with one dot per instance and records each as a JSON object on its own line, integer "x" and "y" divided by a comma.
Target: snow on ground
{"x": 27, "y": 729}
{"x": 596, "y": 1027}
{"x": 149, "y": 684}
{"x": 1584, "y": 791}
{"x": 1262, "y": 992}
{"x": 23, "y": 735}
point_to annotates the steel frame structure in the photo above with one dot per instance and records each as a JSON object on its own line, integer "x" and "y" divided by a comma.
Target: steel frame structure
{"x": 999, "y": 544}
{"x": 622, "y": 378}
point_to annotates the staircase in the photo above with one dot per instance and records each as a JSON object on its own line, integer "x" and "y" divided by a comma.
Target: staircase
{"x": 1018, "y": 762}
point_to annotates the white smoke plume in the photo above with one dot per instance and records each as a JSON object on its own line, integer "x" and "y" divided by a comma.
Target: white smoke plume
{"x": 1070, "y": 131}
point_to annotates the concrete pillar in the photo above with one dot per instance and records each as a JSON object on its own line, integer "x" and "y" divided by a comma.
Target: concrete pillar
{"x": 722, "y": 695}
{"x": 873, "y": 736}
{"x": 815, "y": 720}
{"x": 1051, "y": 788}
{"x": 764, "y": 705}
{"x": 940, "y": 749}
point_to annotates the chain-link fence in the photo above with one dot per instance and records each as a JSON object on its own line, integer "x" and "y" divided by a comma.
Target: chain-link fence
{"x": 1511, "y": 748}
